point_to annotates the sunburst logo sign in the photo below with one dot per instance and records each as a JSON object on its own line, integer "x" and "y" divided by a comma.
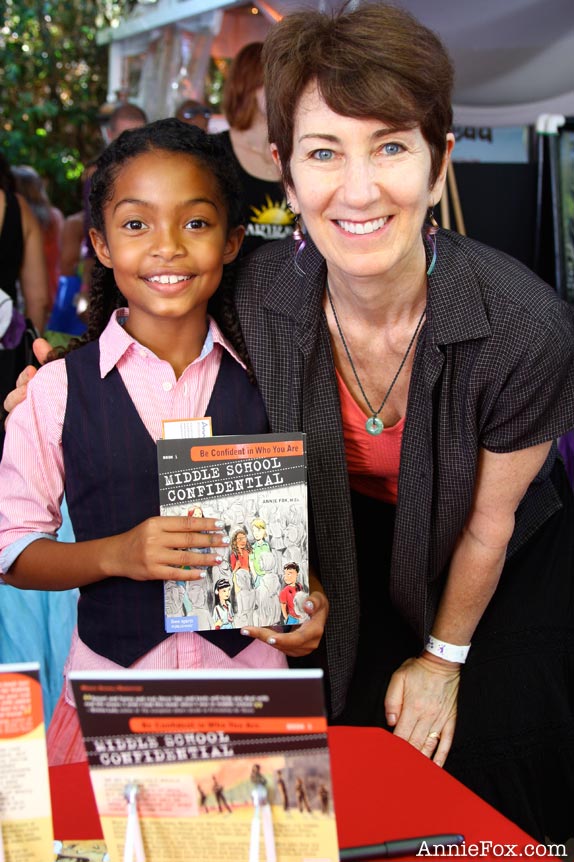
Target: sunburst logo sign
{"x": 272, "y": 221}
{"x": 273, "y": 213}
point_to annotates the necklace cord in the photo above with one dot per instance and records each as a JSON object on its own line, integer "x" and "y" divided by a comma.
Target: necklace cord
{"x": 352, "y": 364}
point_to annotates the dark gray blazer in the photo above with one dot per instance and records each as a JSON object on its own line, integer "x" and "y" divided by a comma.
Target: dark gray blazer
{"x": 493, "y": 368}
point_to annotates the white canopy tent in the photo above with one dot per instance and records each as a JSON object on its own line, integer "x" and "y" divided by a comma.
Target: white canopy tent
{"x": 514, "y": 59}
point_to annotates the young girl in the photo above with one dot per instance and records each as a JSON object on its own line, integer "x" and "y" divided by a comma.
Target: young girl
{"x": 166, "y": 222}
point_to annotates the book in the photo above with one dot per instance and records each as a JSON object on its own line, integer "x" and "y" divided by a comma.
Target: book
{"x": 257, "y": 486}
{"x": 220, "y": 765}
{"x": 25, "y": 806}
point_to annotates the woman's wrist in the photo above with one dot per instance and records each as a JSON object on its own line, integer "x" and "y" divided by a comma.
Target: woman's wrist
{"x": 439, "y": 665}
{"x": 454, "y": 653}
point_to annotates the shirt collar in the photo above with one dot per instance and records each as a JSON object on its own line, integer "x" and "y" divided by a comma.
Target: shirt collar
{"x": 298, "y": 291}
{"x": 115, "y": 342}
{"x": 456, "y": 303}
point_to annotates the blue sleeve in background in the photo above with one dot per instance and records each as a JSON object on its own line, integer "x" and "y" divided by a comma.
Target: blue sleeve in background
{"x": 38, "y": 625}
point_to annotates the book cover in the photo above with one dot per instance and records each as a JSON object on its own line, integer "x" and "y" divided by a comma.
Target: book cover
{"x": 221, "y": 765}
{"x": 25, "y": 805}
{"x": 257, "y": 486}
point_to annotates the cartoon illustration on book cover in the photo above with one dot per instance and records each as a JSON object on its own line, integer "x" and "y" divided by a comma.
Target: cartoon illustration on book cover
{"x": 257, "y": 487}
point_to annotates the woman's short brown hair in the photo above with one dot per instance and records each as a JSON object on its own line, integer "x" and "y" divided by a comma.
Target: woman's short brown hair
{"x": 375, "y": 62}
{"x": 243, "y": 80}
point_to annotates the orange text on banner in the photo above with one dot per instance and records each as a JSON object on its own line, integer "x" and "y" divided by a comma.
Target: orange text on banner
{"x": 227, "y": 724}
{"x": 241, "y": 451}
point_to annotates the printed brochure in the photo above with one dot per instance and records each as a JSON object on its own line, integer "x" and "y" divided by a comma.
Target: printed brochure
{"x": 214, "y": 765}
{"x": 25, "y": 806}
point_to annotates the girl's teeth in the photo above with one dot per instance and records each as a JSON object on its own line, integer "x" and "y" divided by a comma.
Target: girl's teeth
{"x": 168, "y": 279}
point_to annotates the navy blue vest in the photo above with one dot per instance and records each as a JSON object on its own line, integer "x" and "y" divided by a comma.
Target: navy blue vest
{"x": 111, "y": 473}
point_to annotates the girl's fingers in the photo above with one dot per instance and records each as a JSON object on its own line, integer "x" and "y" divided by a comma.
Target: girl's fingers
{"x": 189, "y": 524}
{"x": 186, "y": 540}
{"x": 201, "y": 524}
{"x": 300, "y": 641}
{"x": 170, "y": 573}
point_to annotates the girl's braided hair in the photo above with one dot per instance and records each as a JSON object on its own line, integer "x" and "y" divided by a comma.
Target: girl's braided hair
{"x": 174, "y": 136}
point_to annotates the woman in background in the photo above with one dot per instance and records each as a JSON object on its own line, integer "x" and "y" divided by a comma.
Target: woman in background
{"x": 23, "y": 268}
{"x": 31, "y": 186}
{"x": 34, "y": 627}
{"x": 265, "y": 213}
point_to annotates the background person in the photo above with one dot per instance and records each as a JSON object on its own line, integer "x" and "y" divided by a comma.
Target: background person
{"x": 33, "y": 627}
{"x": 51, "y": 220}
{"x": 123, "y": 117}
{"x": 23, "y": 271}
{"x": 195, "y": 113}
{"x": 265, "y": 212}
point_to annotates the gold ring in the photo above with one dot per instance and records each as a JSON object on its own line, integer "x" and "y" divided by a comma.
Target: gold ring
{"x": 434, "y": 734}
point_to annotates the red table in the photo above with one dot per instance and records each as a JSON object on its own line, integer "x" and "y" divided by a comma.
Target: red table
{"x": 383, "y": 790}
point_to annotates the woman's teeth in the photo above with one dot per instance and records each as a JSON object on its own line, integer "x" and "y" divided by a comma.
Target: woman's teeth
{"x": 363, "y": 227}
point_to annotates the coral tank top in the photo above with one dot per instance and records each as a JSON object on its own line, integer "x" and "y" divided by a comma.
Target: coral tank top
{"x": 373, "y": 462}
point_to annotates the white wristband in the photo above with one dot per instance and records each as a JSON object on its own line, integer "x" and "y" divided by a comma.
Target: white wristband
{"x": 449, "y": 652}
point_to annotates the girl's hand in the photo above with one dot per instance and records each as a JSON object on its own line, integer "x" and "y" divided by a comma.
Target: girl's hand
{"x": 421, "y": 704}
{"x": 302, "y": 639}
{"x": 159, "y": 549}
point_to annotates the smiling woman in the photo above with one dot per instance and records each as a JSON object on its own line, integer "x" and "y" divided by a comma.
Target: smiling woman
{"x": 431, "y": 376}
{"x": 364, "y": 190}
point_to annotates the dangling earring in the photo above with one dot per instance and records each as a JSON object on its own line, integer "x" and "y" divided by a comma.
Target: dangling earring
{"x": 431, "y": 232}
{"x": 298, "y": 234}
{"x": 433, "y": 224}
{"x": 300, "y": 241}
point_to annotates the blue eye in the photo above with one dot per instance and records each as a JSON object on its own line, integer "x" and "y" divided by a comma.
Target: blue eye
{"x": 322, "y": 155}
{"x": 392, "y": 149}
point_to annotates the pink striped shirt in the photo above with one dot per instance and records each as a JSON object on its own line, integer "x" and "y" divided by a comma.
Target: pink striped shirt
{"x": 32, "y": 472}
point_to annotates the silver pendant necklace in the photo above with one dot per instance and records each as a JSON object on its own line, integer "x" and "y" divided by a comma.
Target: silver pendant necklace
{"x": 373, "y": 425}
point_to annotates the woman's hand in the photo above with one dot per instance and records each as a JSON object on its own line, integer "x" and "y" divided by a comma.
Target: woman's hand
{"x": 421, "y": 704}
{"x": 163, "y": 548}
{"x": 41, "y": 349}
{"x": 302, "y": 639}
{"x": 422, "y": 694}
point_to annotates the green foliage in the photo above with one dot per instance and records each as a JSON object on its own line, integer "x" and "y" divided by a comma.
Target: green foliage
{"x": 53, "y": 78}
